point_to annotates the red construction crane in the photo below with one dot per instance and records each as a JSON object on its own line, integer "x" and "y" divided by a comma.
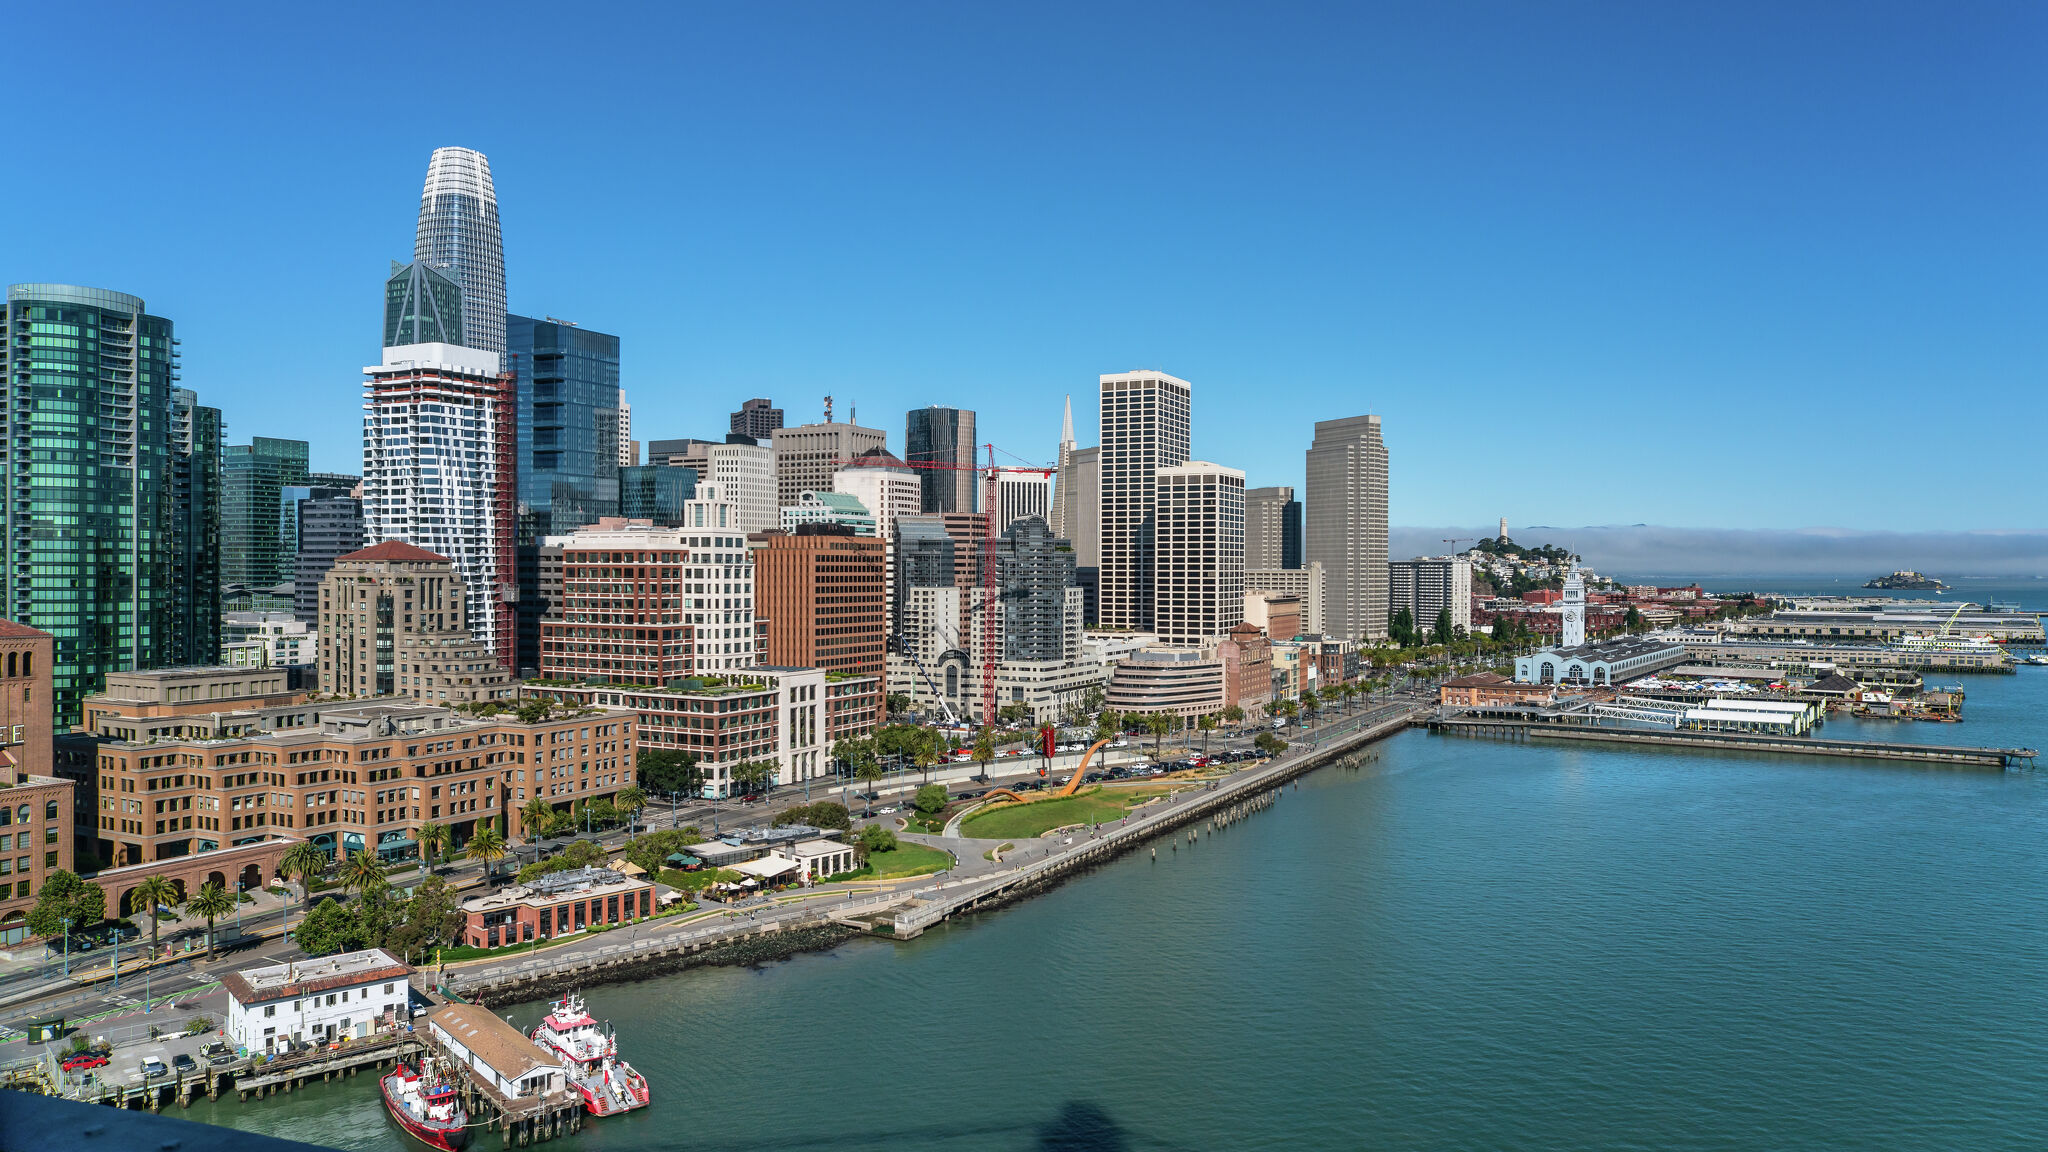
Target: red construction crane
{"x": 991, "y": 474}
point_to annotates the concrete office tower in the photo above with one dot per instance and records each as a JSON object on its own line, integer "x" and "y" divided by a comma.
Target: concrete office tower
{"x": 440, "y": 451}
{"x": 938, "y": 435}
{"x": 329, "y": 527}
{"x": 394, "y": 621}
{"x": 888, "y": 490}
{"x": 1198, "y": 590}
{"x": 253, "y": 551}
{"x": 1272, "y": 528}
{"x": 684, "y": 453}
{"x": 820, "y": 591}
{"x": 629, "y": 448}
{"x": 1306, "y": 583}
{"x": 458, "y": 235}
{"x": 421, "y": 306}
{"x": 1427, "y": 585}
{"x": 1347, "y": 524}
{"x": 806, "y": 457}
{"x": 758, "y": 418}
{"x": 113, "y": 550}
{"x": 1020, "y": 495}
{"x": 1144, "y": 419}
{"x": 745, "y": 473}
{"x": 1076, "y": 506}
{"x": 1040, "y": 608}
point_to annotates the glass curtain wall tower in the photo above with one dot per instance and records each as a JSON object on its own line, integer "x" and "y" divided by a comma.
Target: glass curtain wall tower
{"x": 112, "y": 495}
{"x": 254, "y": 475}
{"x": 938, "y": 435}
{"x": 458, "y": 234}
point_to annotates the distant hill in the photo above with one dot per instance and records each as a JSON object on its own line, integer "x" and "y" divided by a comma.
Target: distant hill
{"x": 1655, "y": 550}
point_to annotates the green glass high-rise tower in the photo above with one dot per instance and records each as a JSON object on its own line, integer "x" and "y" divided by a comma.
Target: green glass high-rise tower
{"x": 111, "y": 501}
{"x": 252, "y": 544}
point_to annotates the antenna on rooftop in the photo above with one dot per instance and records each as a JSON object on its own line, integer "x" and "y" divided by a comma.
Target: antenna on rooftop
{"x": 828, "y": 409}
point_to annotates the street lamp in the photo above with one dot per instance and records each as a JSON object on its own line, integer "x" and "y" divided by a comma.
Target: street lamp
{"x": 67, "y": 948}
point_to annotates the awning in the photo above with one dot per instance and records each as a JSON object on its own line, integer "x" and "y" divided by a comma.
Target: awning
{"x": 631, "y": 869}
{"x": 767, "y": 867}
{"x": 683, "y": 859}
{"x": 396, "y": 845}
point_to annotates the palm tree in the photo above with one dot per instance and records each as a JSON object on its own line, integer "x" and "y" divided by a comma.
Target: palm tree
{"x": 985, "y": 749}
{"x": 154, "y": 892}
{"x": 1158, "y": 723}
{"x": 1233, "y": 715}
{"x": 537, "y": 820}
{"x": 1288, "y": 709}
{"x": 432, "y": 839}
{"x": 301, "y": 862}
{"x": 210, "y": 903}
{"x": 1311, "y": 702}
{"x": 1207, "y": 723}
{"x": 630, "y": 800}
{"x": 488, "y": 845}
{"x": 868, "y": 770}
{"x": 362, "y": 874}
{"x": 927, "y": 751}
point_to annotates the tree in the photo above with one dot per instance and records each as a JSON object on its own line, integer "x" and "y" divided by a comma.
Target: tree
{"x": 1159, "y": 724}
{"x": 898, "y": 702}
{"x": 433, "y": 916}
{"x": 868, "y": 770}
{"x": 752, "y": 774}
{"x": 670, "y": 771}
{"x": 603, "y": 812}
{"x": 984, "y": 749}
{"x": 1288, "y": 709}
{"x": 1442, "y": 632}
{"x": 1401, "y": 627}
{"x": 1270, "y": 744}
{"x": 210, "y": 903}
{"x": 331, "y": 926}
{"x": 302, "y": 862}
{"x": 534, "y": 818}
{"x": 62, "y": 897}
{"x": 1015, "y": 712}
{"x": 361, "y": 873}
{"x": 488, "y": 845}
{"x": 931, "y": 799}
{"x": 1633, "y": 622}
{"x": 1108, "y": 724}
{"x": 1311, "y": 702}
{"x": 876, "y": 838}
{"x": 630, "y": 801}
{"x": 823, "y": 814}
{"x": 1233, "y": 715}
{"x": 154, "y": 892}
{"x": 852, "y": 752}
{"x": 433, "y": 840}
{"x": 1207, "y": 723}
{"x": 928, "y": 750}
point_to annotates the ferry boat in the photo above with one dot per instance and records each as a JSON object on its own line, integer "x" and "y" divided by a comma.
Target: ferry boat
{"x": 609, "y": 1084}
{"x": 426, "y": 1106}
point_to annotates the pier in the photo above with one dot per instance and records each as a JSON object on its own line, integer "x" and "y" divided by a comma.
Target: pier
{"x": 1507, "y": 723}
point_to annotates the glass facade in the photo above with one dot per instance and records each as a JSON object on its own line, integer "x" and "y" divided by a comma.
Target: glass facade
{"x": 656, "y": 492}
{"x": 112, "y": 505}
{"x": 458, "y": 234}
{"x": 942, "y": 436}
{"x": 421, "y": 306}
{"x": 253, "y": 550}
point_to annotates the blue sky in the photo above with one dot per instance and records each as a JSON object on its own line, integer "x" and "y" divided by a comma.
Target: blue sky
{"x": 1729, "y": 265}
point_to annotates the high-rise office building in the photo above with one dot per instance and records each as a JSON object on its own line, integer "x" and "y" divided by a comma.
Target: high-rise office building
{"x": 758, "y": 418}
{"x": 820, "y": 591}
{"x": 889, "y": 490}
{"x": 683, "y": 453}
{"x": 1039, "y": 607}
{"x": 1427, "y": 586}
{"x": 253, "y": 551}
{"x": 1198, "y": 588}
{"x": 1145, "y": 427}
{"x": 655, "y": 493}
{"x": 1347, "y": 525}
{"x": 329, "y": 527}
{"x": 806, "y": 456}
{"x": 440, "y": 452}
{"x": 569, "y": 410}
{"x": 196, "y": 482}
{"x": 1272, "y": 528}
{"x": 394, "y": 622}
{"x": 421, "y": 306}
{"x": 112, "y": 497}
{"x": 458, "y": 235}
{"x": 1020, "y": 495}
{"x": 1306, "y": 584}
{"x": 939, "y": 435}
{"x": 629, "y": 448}
{"x": 1076, "y": 507}
{"x": 745, "y": 473}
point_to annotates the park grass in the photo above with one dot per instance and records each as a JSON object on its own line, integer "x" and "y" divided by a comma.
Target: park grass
{"x": 1024, "y": 821}
{"x": 1005, "y": 846}
{"x": 906, "y": 859}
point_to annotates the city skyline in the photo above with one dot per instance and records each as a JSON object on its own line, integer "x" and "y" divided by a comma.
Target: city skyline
{"x": 1495, "y": 252}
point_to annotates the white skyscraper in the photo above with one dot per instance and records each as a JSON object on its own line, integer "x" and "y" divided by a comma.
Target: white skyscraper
{"x": 1021, "y": 494}
{"x": 745, "y": 473}
{"x": 440, "y": 437}
{"x": 887, "y": 491}
{"x": 458, "y": 234}
{"x": 629, "y": 448}
{"x": 1198, "y": 592}
{"x": 1346, "y": 526}
{"x": 1145, "y": 425}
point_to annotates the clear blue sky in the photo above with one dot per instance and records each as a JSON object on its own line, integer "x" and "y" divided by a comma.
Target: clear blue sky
{"x": 1727, "y": 264}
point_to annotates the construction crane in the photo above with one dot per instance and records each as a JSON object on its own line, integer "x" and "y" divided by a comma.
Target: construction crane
{"x": 1943, "y": 634}
{"x": 991, "y": 475}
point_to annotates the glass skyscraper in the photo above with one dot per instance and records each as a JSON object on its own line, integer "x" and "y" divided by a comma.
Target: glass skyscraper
{"x": 421, "y": 306}
{"x": 938, "y": 435}
{"x": 656, "y": 492}
{"x": 253, "y": 550}
{"x": 458, "y": 235}
{"x": 112, "y": 506}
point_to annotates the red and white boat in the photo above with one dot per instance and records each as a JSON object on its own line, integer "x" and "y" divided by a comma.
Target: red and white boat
{"x": 425, "y": 1105}
{"x": 609, "y": 1084}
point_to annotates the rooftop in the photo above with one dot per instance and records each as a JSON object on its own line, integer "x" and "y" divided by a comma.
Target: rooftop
{"x": 1620, "y": 648}
{"x": 498, "y": 1044}
{"x": 395, "y": 550}
{"x": 305, "y": 977}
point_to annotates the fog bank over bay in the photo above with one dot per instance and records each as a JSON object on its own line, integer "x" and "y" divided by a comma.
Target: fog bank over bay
{"x": 1706, "y": 553}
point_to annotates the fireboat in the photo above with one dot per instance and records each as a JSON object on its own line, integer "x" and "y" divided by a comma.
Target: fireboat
{"x": 609, "y": 1084}
{"x": 425, "y": 1104}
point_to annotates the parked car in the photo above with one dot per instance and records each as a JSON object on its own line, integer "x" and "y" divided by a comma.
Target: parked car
{"x": 85, "y": 1060}
{"x": 868, "y": 795}
{"x": 152, "y": 1068}
{"x": 218, "y": 1053}
{"x": 183, "y": 1062}
{"x": 887, "y": 810}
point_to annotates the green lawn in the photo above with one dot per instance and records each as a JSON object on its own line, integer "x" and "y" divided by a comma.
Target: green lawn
{"x": 1023, "y": 821}
{"x": 906, "y": 859}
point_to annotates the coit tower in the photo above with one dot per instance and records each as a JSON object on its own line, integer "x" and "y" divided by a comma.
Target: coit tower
{"x": 458, "y": 234}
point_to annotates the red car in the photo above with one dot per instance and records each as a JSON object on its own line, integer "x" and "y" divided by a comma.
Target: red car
{"x": 85, "y": 1060}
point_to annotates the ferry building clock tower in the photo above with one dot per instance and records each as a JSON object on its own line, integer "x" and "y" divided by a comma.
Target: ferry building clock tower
{"x": 1573, "y": 632}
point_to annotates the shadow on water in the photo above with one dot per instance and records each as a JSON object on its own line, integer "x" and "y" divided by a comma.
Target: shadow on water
{"x": 1082, "y": 1126}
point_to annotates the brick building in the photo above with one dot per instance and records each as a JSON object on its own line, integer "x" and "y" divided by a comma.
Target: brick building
{"x": 394, "y": 621}
{"x": 1247, "y": 656}
{"x": 822, "y": 595}
{"x": 35, "y": 807}
{"x": 558, "y": 904}
{"x": 646, "y": 605}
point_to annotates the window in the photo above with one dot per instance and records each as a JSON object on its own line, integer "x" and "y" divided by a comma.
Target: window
{"x": 269, "y": 1010}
